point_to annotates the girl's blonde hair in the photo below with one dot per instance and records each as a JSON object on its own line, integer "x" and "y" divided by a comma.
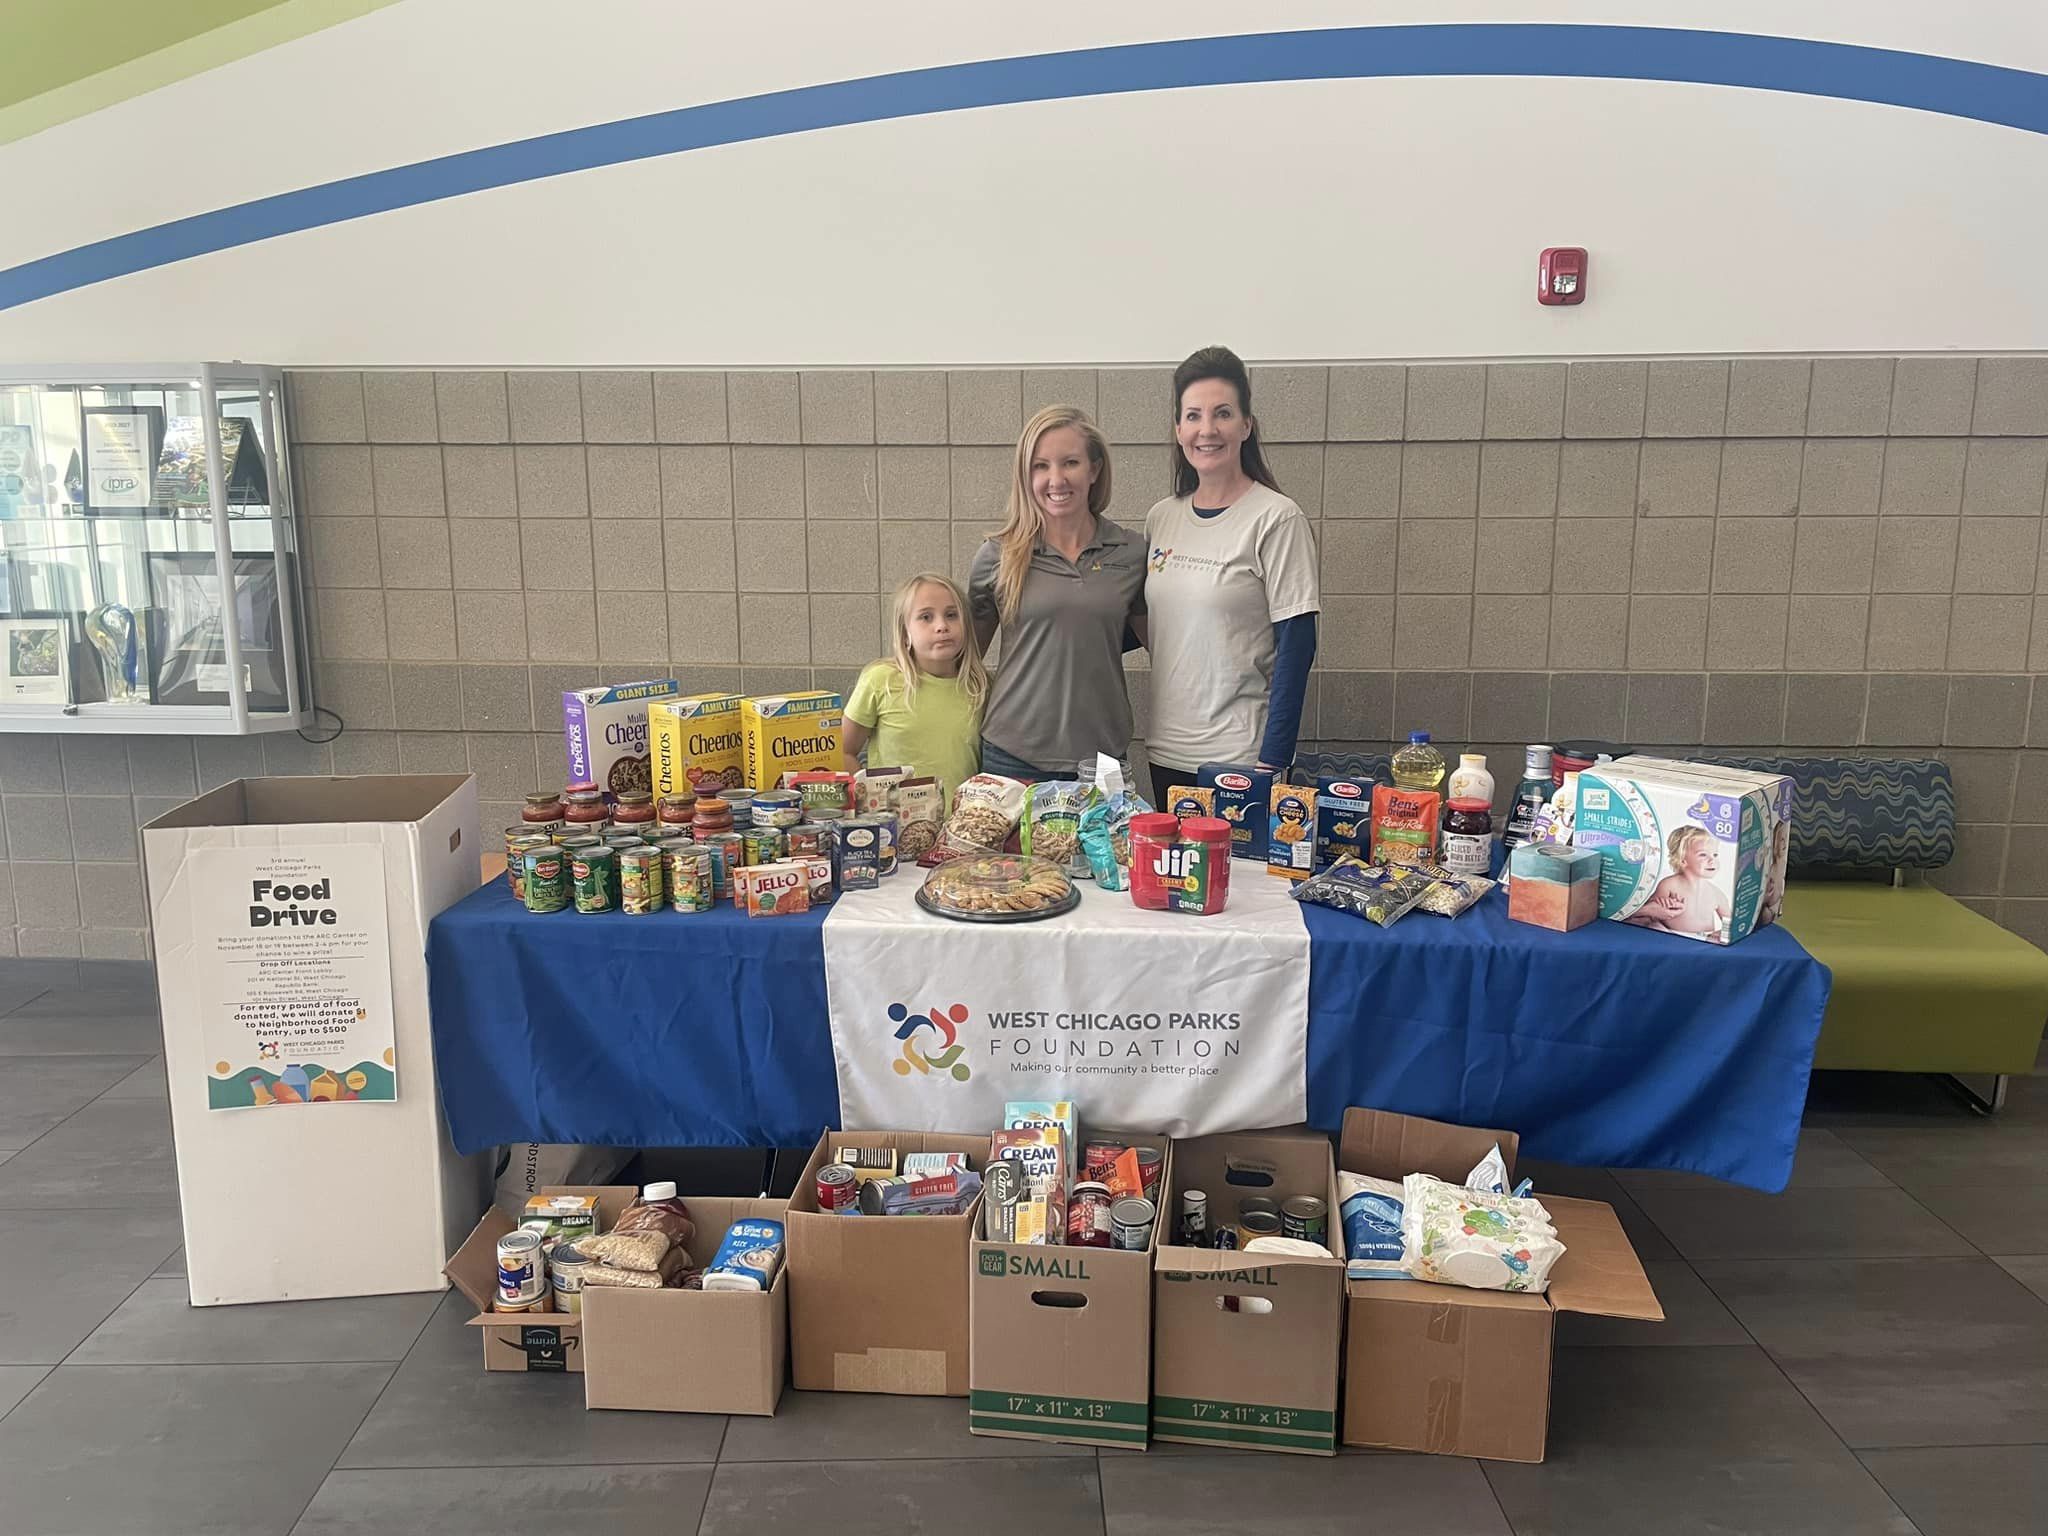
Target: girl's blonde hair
{"x": 1021, "y": 522}
{"x": 973, "y": 675}
{"x": 1682, "y": 839}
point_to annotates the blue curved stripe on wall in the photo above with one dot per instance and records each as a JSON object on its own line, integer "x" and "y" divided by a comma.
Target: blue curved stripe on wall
{"x": 1987, "y": 93}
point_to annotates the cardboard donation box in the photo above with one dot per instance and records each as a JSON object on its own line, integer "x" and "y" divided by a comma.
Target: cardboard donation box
{"x": 525, "y": 1341}
{"x": 1463, "y": 1372}
{"x": 879, "y": 1303}
{"x": 683, "y": 1351}
{"x": 1060, "y": 1338}
{"x": 291, "y": 933}
{"x": 1245, "y": 1345}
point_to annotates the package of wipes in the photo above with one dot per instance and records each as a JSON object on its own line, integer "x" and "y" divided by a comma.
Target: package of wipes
{"x": 1683, "y": 849}
{"x": 1371, "y": 1211}
{"x": 1455, "y": 1235}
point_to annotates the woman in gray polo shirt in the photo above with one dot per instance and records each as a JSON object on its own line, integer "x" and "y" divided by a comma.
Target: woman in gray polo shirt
{"x": 1059, "y": 582}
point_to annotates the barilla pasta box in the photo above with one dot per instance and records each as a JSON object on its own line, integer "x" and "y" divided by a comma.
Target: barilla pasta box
{"x": 1244, "y": 793}
{"x": 790, "y": 733}
{"x": 1343, "y": 820}
{"x": 1291, "y": 831}
{"x": 606, "y": 732}
{"x": 1684, "y": 852}
{"x": 696, "y": 744}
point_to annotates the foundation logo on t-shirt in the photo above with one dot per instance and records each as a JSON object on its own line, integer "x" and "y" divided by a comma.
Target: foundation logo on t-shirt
{"x": 944, "y": 1023}
{"x": 1159, "y": 559}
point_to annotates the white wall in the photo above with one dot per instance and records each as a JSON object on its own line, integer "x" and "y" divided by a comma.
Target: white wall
{"x": 1328, "y": 219}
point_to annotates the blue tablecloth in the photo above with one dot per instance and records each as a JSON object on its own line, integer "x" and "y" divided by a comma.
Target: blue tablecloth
{"x": 1611, "y": 1046}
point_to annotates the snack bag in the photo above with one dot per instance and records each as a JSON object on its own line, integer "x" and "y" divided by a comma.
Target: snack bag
{"x": 1377, "y": 893}
{"x": 874, "y": 789}
{"x": 1052, "y": 823}
{"x": 1106, "y": 826}
{"x": 986, "y": 809}
{"x": 1184, "y": 800}
{"x": 920, "y": 810}
{"x": 823, "y": 790}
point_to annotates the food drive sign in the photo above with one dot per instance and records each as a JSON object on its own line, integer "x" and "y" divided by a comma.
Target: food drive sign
{"x": 294, "y": 975}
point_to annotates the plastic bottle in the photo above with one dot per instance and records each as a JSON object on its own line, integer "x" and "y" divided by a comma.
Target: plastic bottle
{"x": 1468, "y": 837}
{"x": 1419, "y": 765}
{"x": 1471, "y": 779}
{"x": 1531, "y": 795}
{"x": 1554, "y": 823}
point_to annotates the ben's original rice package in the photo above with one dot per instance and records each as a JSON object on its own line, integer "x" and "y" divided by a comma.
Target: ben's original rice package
{"x": 697, "y": 744}
{"x": 606, "y": 731}
{"x": 1244, "y": 791}
{"x": 790, "y": 733}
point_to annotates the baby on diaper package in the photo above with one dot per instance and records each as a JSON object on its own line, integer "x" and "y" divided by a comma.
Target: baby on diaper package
{"x": 1683, "y": 849}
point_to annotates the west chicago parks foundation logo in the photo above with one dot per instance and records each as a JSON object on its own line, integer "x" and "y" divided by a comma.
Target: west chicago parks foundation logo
{"x": 917, "y": 1055}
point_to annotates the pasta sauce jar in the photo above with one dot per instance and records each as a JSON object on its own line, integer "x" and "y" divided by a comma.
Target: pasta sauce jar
{"x": 583, "y": 804}
{"x": 543, "y": 811}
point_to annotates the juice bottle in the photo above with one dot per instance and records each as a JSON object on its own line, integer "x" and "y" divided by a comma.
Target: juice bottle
{"x": 1531, "y": 795}
{"x": 1419, "y": 765}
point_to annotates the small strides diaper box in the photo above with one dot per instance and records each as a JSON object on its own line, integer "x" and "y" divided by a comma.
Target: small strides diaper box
{"x": 1778, "y": 785}
{"x": 790, "y": 733}
{"x": 606, "y": 733}
{"x": 697, "y": 744}
{"x": 1682, "y": 850}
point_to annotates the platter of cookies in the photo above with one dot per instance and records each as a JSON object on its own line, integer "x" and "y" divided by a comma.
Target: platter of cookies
{"x": 998, "y": 888}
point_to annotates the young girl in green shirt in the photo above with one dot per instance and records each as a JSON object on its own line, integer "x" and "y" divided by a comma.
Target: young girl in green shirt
{"x": 921, "y": 706}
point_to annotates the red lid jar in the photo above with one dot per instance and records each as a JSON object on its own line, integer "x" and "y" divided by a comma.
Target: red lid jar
{"x": 1204, "y": 886}
{"x": 1152, "y": 838}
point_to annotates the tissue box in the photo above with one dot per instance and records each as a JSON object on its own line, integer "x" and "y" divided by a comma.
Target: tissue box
{"x": 1554, "y": 886}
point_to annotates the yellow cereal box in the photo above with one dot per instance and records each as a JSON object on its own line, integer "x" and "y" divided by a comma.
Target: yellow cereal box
{"x": 697, "y": 744}
{"x": 790, "y": 733}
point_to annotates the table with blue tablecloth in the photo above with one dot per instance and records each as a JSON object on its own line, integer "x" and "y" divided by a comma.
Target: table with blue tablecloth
{"x": 1610, "y": 1046}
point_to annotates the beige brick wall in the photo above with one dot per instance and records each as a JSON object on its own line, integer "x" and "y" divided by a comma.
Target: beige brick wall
{"x": 1828, "y": 553}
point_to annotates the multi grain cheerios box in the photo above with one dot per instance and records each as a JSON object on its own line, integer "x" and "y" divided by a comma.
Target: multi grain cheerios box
{"x": 606, "y": 733}
{"x": 696, "y": 744}
{"x": 790, "y": 733}
{"x": 1683, "y": 851}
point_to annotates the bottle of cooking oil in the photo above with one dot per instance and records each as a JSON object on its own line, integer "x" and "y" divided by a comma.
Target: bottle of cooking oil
{"x": 1418, "y": 765}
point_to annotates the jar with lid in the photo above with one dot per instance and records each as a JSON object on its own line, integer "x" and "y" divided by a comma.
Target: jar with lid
{"x": 1152, "y": 838}
{"x": 675, "y": 810}
{"x": 543, "y": 811}
{"x": 1204, "y": 884}
{"x": 635, "y": 809}
{"x": 711, "y": 816}
{"x": 584, "y": 803}
{"x": 1468, "y": 837}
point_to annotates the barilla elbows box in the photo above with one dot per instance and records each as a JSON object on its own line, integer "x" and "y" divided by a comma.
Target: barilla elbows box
{"x": 1685, "y": 851}
{"x": 691, "y": 1351}
{"x": 1780, "y": 788}
{"x": 790, "y": 733}
{"x": 1244, "y": 791}
{"x": 879, "y": 1303}
{"x": 525, "y": 1341}
{"x": 606, "y": 733}
{"x": 1458, "y": 1372}
{"x": 1059, "y": 1342}
{"x": 696, "y": 743}
{"x": 1246, "y": 1345}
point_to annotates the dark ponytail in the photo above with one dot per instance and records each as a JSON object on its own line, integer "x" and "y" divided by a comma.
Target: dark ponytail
{"x": 1218, "y": 363}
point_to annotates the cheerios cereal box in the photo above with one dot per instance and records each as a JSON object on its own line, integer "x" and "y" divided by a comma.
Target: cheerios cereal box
{"x": 697, "y": 744}
{"x": 605, "y": 730}
{"x": 790, "y": 733}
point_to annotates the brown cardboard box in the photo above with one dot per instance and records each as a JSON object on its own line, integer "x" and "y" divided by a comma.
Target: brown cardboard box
{"x": 524, "y": 1341}
{"x": 1467, "y": 1373}
{"x": 675, "y": 1351}
{"x": 879, "y": 1303}
{"x": 1245, "y": 1346}
{"x": 1060, "y": 1339}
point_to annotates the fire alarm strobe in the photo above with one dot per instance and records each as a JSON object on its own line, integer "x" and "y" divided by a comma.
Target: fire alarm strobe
{"x": 1561, "y": 275}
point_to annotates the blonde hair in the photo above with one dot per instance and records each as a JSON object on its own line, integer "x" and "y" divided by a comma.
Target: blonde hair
{"x": 1682, "y": 839}
{"x": 973, "y": 675}
{"x": 1022, "y": 523}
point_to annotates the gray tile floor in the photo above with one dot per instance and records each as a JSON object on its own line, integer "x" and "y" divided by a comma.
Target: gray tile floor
{"x": 1867, "y": 1353}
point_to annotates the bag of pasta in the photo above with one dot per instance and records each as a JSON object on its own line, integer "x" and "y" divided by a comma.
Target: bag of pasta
{"x": 1106, "y": 826}
{"x": 1052, "y": 823}
{"x": 986, "y": 809}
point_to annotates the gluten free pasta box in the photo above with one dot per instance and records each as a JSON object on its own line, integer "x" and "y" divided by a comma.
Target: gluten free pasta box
{"x": 1458, "y": 1372}
{"x": 1060, "y": 1338}
{"x": 525, "y": 1341}
{"x": 684, "y": 1351}
{"x": 879, "y": 1303}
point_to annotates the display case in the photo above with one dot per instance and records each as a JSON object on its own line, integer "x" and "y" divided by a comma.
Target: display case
{"x": 150, "y": 574}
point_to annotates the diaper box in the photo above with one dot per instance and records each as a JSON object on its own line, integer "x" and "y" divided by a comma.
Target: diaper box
{"x": 790, "y": 733}
{"x": 1683, "y": 849}
{"x": 696, "y": 744}
{"x": 1243, "y": 793}
{"x": 1778, "y": 785}
{"x": 606, "y": 733}
{"x": 1457, "y": 1372}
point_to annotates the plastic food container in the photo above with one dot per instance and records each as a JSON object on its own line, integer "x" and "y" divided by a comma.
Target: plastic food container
{"x": 998, "y": 888}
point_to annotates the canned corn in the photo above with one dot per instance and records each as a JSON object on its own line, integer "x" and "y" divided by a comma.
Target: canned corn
{"x": 691, "y": 884}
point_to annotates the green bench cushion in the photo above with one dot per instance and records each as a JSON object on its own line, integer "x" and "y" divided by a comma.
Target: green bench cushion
{"x": 1921, "y": 983}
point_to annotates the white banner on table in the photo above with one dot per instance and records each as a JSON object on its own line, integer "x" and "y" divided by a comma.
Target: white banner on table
{"x": 1146, "y": 1020}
